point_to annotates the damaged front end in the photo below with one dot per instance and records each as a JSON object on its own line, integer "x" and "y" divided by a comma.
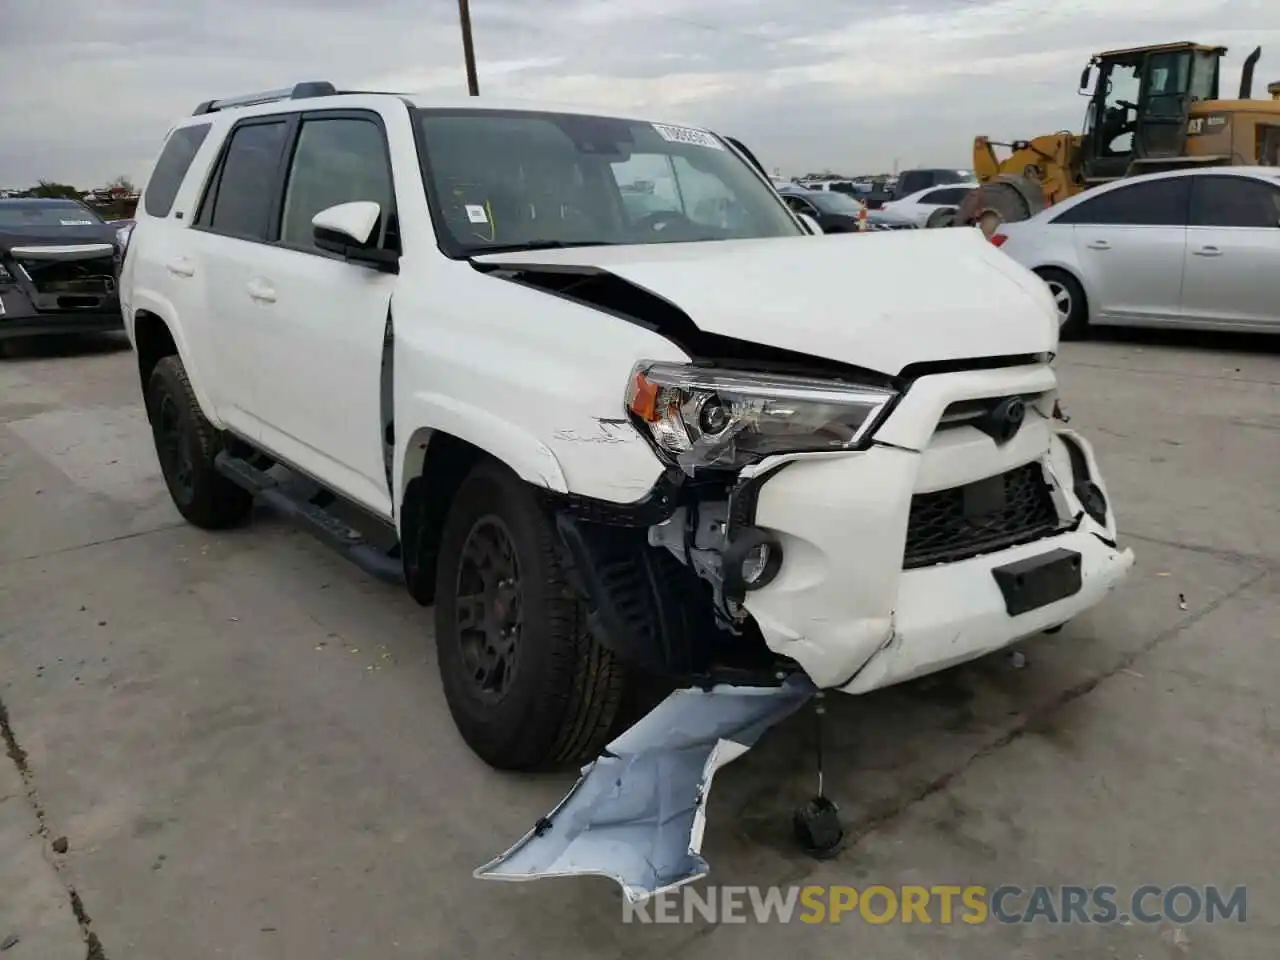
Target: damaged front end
{"x": 638, "y": 813}
{"x": 50, "y": 287}
{"x": 665, "y": 581}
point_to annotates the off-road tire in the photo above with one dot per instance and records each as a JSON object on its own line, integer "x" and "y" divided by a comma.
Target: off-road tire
{"x": 569, "y": 693}
{"x": 209, "y": 500}
{"x": 1075, "y": 325}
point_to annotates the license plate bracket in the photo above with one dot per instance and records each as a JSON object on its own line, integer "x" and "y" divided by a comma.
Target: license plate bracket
{"x": 1038, "y": 581}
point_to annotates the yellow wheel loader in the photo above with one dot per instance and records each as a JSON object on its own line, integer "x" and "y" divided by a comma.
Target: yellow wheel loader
{"x": 1150, "y": 108}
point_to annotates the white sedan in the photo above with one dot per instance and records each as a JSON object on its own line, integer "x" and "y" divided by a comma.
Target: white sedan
{"x": 1188, "y": 248}
{"x": 931, "y": 207}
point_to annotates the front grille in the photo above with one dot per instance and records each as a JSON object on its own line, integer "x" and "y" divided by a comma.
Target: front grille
{"x": 96, "y": 276}
{"x": 991, "y": 514}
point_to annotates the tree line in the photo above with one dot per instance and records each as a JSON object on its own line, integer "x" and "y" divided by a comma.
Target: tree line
{"x": 51, "y": 189}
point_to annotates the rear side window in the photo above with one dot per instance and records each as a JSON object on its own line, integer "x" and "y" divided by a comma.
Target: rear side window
{"x": 175, "y": 160}
{"x": 1157, "y": 203}
{"x": 239, "y": 202}
{"x": 946, "y": 195}
{"x": 1221, "y": 201}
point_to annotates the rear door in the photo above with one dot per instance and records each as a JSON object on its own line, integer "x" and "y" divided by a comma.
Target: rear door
{"x": 1130, "y": 245}
{"x": 1232, "y": 273}
{"x": 232, "y": 223}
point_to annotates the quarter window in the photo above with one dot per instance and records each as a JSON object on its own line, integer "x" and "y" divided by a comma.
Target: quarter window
{"x": 1157, "y": 203}
{"x": 337, "y": 160}
{"x": 243, "y": 196}
{"x": 1225, "y": 201}
{"x": 174, "y": 161}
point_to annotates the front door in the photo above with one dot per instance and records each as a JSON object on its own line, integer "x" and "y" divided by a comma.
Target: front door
{"x": 1130, "y": 242}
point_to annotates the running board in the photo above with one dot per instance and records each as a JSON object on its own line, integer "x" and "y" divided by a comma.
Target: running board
{"x": 327, "y": 528}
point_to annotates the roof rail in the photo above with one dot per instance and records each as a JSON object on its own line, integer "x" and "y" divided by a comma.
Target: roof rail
{"x": 299, "y": 91}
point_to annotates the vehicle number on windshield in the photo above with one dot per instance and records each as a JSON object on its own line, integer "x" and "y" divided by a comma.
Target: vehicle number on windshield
{"x": 687, "y": 135}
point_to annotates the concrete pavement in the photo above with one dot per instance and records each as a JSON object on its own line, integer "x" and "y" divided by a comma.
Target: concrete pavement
{"x": 244, "y": 741}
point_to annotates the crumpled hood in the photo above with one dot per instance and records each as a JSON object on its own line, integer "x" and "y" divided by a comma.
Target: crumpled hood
{"x": 878, "y": 301}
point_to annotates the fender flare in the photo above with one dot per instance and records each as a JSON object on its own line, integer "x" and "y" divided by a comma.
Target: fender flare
{"x": 160, "y": 308}
{"x": 507, "y": 442}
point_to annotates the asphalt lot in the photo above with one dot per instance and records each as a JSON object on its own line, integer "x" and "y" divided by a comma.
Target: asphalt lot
{"x": 244, "y": 743}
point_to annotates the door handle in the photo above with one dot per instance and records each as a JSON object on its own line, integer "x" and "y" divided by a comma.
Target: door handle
{"x": 1208, "y": 252}
{"x": 181, "y": 267}
{"x": 1099, "y": 245}
{"x": 261, "y": 291}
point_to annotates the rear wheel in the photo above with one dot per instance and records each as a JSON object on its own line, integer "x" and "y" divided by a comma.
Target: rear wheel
{"x": 942, "y": 217}
{"x": 1069, "y": 299}
{"x": 526, "y": 683}
{"x": 186, "y": 444}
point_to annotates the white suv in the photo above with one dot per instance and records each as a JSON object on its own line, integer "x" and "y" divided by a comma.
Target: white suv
{"x": 586, "y": 385}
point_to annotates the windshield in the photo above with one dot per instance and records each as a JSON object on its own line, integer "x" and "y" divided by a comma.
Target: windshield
{"x": 16, "y": 214}
{"x": 835, "y": 202}
{"x": 503, "y": 180}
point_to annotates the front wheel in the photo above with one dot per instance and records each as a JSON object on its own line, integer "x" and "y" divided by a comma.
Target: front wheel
{"x": 1068, "y": 298}
{"x": 527, "y": 685}
{"x": 186, "y": 444}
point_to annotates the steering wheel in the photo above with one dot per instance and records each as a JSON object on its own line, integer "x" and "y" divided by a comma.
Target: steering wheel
{"x": 659, "y": 219}
{"x": 1127, "y": 105}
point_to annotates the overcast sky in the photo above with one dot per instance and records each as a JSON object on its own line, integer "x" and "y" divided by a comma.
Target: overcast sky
{"x": 91, "y": 86}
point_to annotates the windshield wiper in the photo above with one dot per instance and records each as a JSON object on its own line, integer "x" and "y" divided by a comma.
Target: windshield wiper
{"x": 540, "y": 245}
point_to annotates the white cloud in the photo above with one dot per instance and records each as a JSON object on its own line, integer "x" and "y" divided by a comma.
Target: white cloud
{"x": 848, "y": 84}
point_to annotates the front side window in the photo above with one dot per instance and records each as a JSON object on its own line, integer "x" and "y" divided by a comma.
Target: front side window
{"x": 800, "y": 205}
{"x": 240, "y": 201}
{"x": 516, "y": 179}
{"x": 337, "y": 160}
{"x": 1222, "y": 201}
{"x": 1119, "y": 110}
{"x": 947, "y": 195}
{"x": 1159, "y": 203}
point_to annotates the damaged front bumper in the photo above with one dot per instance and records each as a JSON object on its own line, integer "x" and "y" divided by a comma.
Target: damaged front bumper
{"x": 879, "y": 586}
{"x": 638, "y": 812}
{"x": 59, "y": 288}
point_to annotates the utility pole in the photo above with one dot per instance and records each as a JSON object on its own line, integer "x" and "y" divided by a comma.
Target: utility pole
{"x": 468, "y": 49}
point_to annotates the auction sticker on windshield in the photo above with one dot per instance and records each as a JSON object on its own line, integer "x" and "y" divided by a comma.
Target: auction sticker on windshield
{"x": 687, "y": 135}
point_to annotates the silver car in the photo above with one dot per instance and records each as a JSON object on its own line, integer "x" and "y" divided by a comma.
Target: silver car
{"x": 1188, "y": 248}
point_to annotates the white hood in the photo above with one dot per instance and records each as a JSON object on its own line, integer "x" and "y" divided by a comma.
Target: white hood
{"x": 877, "y": 301}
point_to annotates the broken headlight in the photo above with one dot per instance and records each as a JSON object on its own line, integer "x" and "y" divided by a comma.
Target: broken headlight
{"x": 720, "y": 418}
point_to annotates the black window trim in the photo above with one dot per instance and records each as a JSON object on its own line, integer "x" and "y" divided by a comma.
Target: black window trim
{"x": 1197, "y": 181}
{"x": 290, "y": 149}
{"x": 1180, "y": 182}
{"x": 280, "y": 180}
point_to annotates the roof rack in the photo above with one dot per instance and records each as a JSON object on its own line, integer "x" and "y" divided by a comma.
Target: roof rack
{"x": 299, "y": 91}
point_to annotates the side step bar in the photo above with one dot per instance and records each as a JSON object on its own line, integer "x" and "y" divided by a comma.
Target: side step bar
{"x": 327, "y": 528}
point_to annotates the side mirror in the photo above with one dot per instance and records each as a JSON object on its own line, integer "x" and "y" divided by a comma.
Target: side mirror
{"x": 1086, "y": 75}
{"x": 348, "y": 229}
{"x": 810, "y": 224}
